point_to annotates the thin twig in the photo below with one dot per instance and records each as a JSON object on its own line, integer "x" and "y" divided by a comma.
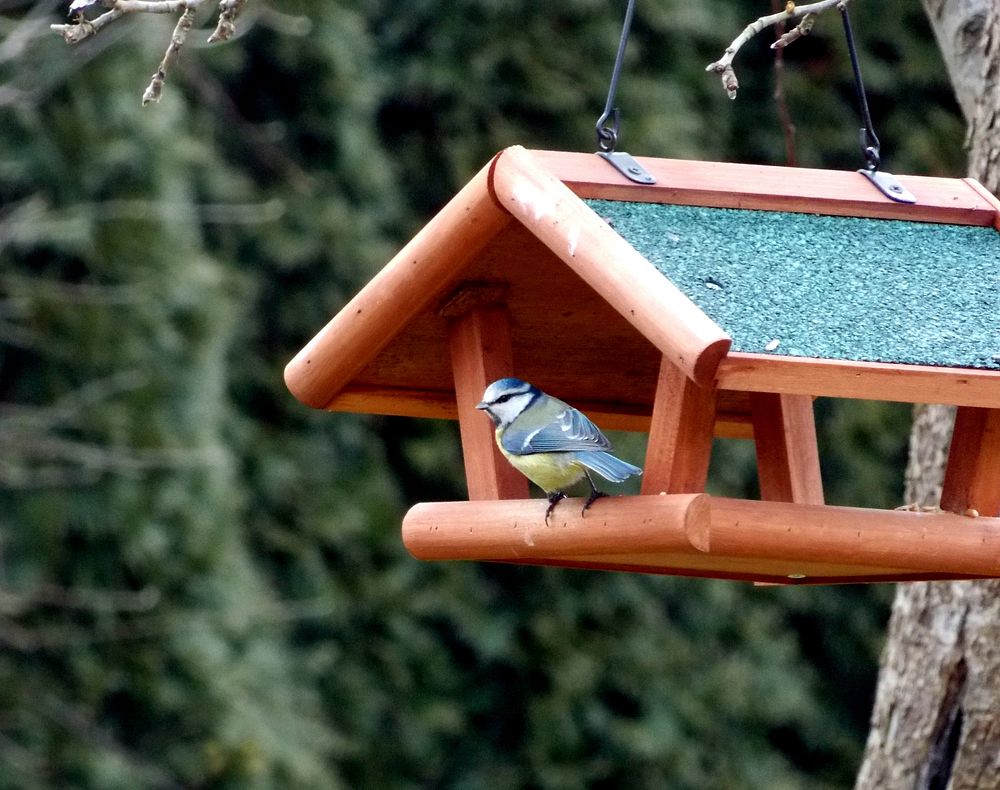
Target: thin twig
{"x": 724, "y": 65}
{"x": 155, "y": 88}
{"x": 229, "y": 10}
{"x": 780, "y": 100}
{"x": 83, "y": 28}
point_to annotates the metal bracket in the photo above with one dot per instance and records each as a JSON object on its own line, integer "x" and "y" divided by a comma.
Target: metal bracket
{"x": 627, "y": 166}
{"x": 887, "y": 184}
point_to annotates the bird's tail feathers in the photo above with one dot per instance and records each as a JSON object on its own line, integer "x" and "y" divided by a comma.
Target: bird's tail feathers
{"x": 608, "y": 467}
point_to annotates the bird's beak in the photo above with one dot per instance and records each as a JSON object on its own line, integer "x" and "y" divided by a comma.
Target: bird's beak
{"x": 482, "y": 405}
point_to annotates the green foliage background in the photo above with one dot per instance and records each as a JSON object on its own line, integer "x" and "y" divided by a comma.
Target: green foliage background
{"x": 202, "y": 583}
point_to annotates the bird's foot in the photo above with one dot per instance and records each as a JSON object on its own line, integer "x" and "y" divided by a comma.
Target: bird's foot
{"x": 594, "y": 496}
{"x": 554, "y": 497}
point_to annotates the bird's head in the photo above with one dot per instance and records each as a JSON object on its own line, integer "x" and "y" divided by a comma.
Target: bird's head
{"x": 506, "y": 398}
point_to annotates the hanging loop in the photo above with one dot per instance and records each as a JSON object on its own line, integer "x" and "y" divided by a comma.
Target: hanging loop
{"x": 871, "y": 149}
{"x": 607, "y": 135}
{"x": 609, "y": 124}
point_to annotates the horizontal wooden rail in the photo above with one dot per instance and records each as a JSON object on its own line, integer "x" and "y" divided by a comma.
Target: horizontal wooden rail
{"x": 772, "y": 188}
{"x": 866, "y": 380}
{"x": 928, "y": 542}
{"x": 702, "y": 535}
{"x": 516, "y": 529}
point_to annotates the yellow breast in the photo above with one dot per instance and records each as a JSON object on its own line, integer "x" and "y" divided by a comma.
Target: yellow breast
{"x": 548, "y": 471}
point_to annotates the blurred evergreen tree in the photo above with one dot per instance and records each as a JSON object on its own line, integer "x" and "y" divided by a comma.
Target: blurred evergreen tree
{"x": 202, "y": 583}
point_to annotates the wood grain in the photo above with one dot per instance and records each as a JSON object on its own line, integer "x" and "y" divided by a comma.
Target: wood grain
{"x": 702, "y": 535}
{"x": 480, "y": 354}
{"x": 680, "y": 434}
{"x": 516, "y": 529}
{"x": 972, "y": 477}
{"x": 784, "y": 432}
{"x": 866, "y": 380}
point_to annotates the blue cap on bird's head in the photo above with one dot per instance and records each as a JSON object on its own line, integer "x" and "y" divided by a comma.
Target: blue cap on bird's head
{"x": 508, "y": 387}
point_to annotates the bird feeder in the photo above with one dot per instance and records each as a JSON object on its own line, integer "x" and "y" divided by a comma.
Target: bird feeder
{"x": 718, "y": 301}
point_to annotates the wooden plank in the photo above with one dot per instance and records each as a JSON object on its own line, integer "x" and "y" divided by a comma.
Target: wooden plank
{"x": 610, "y": 265}
{"x": 787, "y": 453}
{"x": 920, "y": 542}
{"x": 866, "y": 380}
{"x": 680, "y": 434}
{"x": 730, "y": 423}
{"x": 415, "y": 277}
{"x": 972, "y": 477}
{"x": 988, "y": 196}
{"x": 792, "y": 189}
{"x": 480, "y": 354}
{"x": 516, "y": 529}
{"x": 766, "y": 541}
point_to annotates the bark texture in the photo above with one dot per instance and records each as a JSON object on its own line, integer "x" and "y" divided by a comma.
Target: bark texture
{"x": 936, "y": 721}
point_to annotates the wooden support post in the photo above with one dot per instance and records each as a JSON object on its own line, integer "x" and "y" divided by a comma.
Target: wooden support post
{"x": 972, "y": 479}
{"x": 784, "y": 432}
{"x": 680, "y": 434}
{"x": 481, "y": 353}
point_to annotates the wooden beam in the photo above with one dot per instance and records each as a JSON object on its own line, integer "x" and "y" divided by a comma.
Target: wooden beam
{"x": 988, "y": 196}
{"x": 867, "y": 380}
{"x": 972, "y": 477}
{"x": 729, "y": 538}
{"x": 787, "y": 453}
{"x": 440, "y": 404}
{"x": 516, "y": 529}
{"x": 793, "y": 189}
{"x": 680, "y": 434}
{"x": 480, "y": 354}
{"x": 412, "y": 280}
{"x": 610, "y": 265}
{"x": 921, "y": 542}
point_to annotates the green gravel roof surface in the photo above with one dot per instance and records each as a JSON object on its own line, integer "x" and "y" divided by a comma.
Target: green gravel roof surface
{"x": 830, "y": 287}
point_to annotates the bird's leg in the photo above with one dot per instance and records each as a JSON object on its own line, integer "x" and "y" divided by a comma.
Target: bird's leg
{"x": 554, "y": 497}
{"x": 594, "y": 493}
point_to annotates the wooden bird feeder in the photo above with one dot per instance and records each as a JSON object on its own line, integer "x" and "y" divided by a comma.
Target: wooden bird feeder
{"x": 719, "y": 301}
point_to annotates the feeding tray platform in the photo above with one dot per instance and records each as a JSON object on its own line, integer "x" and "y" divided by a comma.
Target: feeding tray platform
{"x": 719, "y": 301}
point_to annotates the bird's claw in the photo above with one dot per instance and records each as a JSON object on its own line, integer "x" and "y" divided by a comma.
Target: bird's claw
{"x": 594, "y": 496}
{"x": 554, "y": 497}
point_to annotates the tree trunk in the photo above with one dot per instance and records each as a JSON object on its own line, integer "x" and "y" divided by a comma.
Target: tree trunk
{"x": 936, "y": 721}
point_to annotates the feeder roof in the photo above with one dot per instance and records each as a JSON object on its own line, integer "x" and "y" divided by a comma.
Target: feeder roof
{"x": 866, "y": 297}
{"x": 844, "y": 288}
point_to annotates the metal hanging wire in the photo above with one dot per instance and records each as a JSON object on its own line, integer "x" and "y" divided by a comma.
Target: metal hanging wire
{"x": 609, "y": 123}
{"x": 870, "y": 146}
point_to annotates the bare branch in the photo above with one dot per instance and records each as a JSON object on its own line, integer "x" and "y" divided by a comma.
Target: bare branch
{"x": 724, "y": 65}
{"x": 229, "y": 10}
{"x": 84, "y": 28}
{"x": 155, "y": 88}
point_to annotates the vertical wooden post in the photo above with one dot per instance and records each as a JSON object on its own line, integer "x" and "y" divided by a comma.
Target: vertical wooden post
{"x": 680, "y": 434}
{"x": 972, "y": 478}
{"x": 784, "y": 431}
{"x": 481, "y": 353}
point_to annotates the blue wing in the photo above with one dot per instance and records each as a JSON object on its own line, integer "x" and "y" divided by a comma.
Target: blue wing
{"x": 553, "y": 427}
{"x": 607, "y": 466}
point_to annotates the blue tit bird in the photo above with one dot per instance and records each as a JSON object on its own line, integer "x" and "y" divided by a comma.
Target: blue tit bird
{"x": 550, "y": 442}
